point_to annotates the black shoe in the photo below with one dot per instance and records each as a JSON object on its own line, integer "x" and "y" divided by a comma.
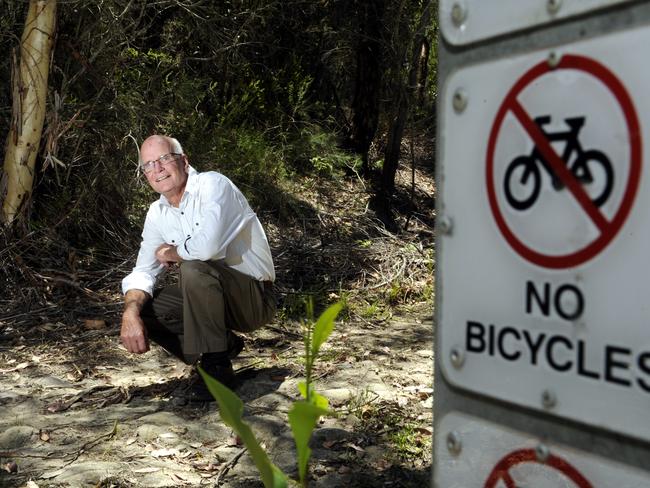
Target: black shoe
{"x": 222, "y": 372}
{"x": 235, "y": 345}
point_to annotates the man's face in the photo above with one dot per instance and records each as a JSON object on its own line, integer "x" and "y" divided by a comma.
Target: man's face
{"x": 169, "y": 174}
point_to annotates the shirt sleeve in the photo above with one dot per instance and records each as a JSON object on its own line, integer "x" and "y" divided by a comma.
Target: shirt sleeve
{"x": 224, "y": 212}
{"x": 147, "y": 268}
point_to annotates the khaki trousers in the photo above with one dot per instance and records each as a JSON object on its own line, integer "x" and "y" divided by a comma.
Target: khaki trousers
{"x": 195, "y": 315}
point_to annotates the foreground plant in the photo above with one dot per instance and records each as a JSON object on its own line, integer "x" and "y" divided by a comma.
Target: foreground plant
{"x": 303, "y": 416}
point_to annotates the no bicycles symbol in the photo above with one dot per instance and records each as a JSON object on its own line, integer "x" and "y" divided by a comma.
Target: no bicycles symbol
{"x": 588, "y": 173}
{"x": 553, "y": 468}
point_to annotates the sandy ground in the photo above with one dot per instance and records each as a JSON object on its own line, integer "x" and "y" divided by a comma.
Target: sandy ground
{"x": 77, "y": 410}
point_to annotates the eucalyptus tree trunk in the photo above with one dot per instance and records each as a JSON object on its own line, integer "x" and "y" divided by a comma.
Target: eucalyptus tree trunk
{"x": 29, "y": 91}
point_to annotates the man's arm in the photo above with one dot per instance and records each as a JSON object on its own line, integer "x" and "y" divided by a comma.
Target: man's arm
{"x": 134, "y": 332}
{"x": 167, "y": 254}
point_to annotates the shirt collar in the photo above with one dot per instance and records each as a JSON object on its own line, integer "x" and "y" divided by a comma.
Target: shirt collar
{"x": 190, "y": 188}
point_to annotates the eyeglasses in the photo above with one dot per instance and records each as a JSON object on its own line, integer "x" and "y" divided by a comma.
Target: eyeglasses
{"x": 164, "y": 160}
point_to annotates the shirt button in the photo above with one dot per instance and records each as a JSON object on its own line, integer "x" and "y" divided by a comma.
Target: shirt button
{"x": 197, "y": 223}
{"x": 182, "y": 213}
{"x": 173, "y": 240}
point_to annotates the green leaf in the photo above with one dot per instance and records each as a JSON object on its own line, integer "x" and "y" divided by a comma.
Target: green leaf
{"x": 302, "y": 418}
{"x": 302, "y": 388}
{"x": 324, "y": 327}
{"x": 315, "y": 398}
{"x": 231, "y": 409}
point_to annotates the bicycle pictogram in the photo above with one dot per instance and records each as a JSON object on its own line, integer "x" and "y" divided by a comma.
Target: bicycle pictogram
{"x": 523, "y": 177}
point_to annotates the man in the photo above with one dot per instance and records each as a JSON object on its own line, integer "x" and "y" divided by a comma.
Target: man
{"x": 203, "y": 223}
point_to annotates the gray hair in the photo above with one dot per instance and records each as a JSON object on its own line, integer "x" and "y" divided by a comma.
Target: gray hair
{"x": 174, "y": 146}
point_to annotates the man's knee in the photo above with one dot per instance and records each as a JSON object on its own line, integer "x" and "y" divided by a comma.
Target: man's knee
{"x": 198, "y": 273}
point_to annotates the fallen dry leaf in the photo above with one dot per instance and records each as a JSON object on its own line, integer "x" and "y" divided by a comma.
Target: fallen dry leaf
{"x": 146, "y": 470}
{"x": 52, "y": 474}
{"x": 94, "y": 324}
{"x": 234, "y": 441}
{"x": 30, "y": 484}
{"x": 355, "y": 447}
{"x": 366, "y": 411}
{"x": 57, "y": 406}
{"x": 15, "y": 368}
{"x": 10, "y": 467}
{"x": 164, "y": 452}
{"x": 329, "y": 444}
{"x": 44, "y": 435}
{"x": 383, "y": 465}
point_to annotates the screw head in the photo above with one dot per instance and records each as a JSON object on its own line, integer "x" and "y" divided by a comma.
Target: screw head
{"x": 553, "y": 59}
{"x": 458, "y": 14}
{"x": 445, "y": 224}
{"x": 553, "y": 6}
{"x": 459, "y": 100}
{"x": 457, "y": 357}
{"x": 542, "y": 452}
{"x": 549, "y": 400}
{"x": 454, "y": 443}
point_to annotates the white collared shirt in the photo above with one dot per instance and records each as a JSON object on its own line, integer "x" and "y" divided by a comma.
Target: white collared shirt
{"x": 213, "y": 221}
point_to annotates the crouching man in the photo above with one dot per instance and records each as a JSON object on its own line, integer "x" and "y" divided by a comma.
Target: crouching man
{"x": 203, "y": 223}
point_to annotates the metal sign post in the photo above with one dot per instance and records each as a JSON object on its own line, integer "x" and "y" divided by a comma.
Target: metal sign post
{"x": 543, "y": 311}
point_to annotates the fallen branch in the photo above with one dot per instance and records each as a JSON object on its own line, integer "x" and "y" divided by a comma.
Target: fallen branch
{"x": 229, "y": 465}
{"x": 92, "y": 443}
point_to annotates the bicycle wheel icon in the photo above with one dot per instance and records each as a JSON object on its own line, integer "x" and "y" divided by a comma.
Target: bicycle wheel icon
{"x": 522, "y": 183}
{"x": 592, "y": 163}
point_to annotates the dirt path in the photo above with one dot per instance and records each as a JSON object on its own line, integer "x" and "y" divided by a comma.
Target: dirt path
{"x": 77, "y": 410}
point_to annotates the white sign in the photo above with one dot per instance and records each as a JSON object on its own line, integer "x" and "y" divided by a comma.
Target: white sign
{"x": 465, "y": 21}
{"x": 544, "y": 268}
{"x": 471, "y": 452}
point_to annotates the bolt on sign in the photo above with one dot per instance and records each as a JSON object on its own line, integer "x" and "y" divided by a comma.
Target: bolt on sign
{"x": 472, "y": 452}
{"x": 466, "y": 21}
{"x": 544, "y": 211}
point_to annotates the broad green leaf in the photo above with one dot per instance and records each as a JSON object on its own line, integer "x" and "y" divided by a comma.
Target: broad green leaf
{"x": 302, "y": 418}
{"x": 324, "y": 327}
{"x": 315, "y": 398}
{"x": 320, "y": 401}
{"x": 231, "y": 409}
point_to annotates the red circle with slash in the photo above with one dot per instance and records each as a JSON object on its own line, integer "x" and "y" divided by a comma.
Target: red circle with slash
{"x": 501, "y": 471}
{"x": 608, "y": 228}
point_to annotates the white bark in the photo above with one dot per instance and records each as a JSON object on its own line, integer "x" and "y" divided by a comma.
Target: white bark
{"x": 29, "y": 86}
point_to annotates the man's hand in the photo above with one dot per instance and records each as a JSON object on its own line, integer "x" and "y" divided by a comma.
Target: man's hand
{"x": 134, "y": 332}
{"x": 167, "y": 255}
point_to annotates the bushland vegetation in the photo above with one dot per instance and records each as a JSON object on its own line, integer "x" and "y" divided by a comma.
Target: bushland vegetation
{"x": 309, "y": 106}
